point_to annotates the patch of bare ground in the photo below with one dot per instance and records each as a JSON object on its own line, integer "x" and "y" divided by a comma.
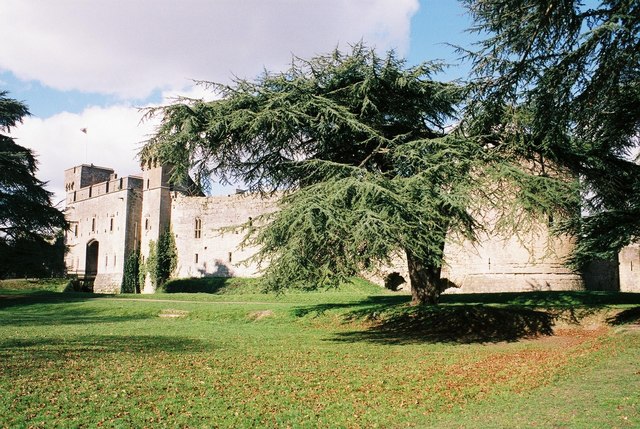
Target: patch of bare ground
{"x": 170, "y": 313}
{"x": 259, "y": 315}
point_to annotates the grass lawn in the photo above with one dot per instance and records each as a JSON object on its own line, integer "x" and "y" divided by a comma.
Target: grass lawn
{"x": 355, "y": 357}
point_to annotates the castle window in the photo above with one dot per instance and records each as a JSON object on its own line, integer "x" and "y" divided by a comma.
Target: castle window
{"x": 111, "y": 224}
{"x": 106, "y": 188}
{"x": 198, "y": 228}
{"x": 93, "y": 225}
{"x": 75, "y": 230}
{"x": 147, "y": 183}
{"x": 196, "y": 258}
{"x": 146, "y": 224}
{"x": 114, "y": 259}
{"x": 230, "y": 255}
{"x": 120, "y": 186}
{"x": 90, "y": 190}
{"x": 106, "y": 260}
{"x": 74, "y": 196}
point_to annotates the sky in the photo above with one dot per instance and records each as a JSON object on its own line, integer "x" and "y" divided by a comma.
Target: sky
{"x": 94, "y": 65}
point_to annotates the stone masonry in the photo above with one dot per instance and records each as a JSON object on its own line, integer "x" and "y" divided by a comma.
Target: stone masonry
{"x": 112, "y": 217}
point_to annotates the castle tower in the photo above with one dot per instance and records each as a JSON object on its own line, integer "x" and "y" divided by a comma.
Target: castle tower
{"x": 156, "y": 210}
{"x": 103, "y": 212}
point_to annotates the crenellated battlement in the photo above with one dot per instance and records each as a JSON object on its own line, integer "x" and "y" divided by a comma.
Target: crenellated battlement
{"x": 89, "y": 181}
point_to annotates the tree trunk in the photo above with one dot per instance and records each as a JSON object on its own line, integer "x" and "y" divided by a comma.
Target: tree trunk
{"x": 425, "y": 281}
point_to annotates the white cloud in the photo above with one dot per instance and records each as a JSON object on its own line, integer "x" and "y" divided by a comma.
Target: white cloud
{"x": 129, "y": 48}
{"x": 132, "y": 48}
{"x": 112, "y": 140}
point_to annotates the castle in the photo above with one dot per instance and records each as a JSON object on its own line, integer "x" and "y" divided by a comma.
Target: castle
{"x": 110, "y": 218}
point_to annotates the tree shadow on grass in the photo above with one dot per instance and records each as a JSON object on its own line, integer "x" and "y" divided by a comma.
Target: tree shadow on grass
{"x": 66, "y": 316}
{"x": 52, "y": 347}
{"x": 213, "y": 285}
{"x": 45, "y": 297}
{"x": 454, "y": 324}
{"x": 371, "y": 304}
{"x": 545, "y": 298}
{"x": 626, "y": 317}
{"x": 39, "y": 309}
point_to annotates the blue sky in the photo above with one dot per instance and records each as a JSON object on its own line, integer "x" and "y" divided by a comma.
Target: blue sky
{"x": 80, "y": 64}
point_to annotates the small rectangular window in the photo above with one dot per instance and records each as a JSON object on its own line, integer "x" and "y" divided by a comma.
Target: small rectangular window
{"x": 196, "y": 258}
{"x": 75, "y": 230}
{"x": 93, "y": 225}
{"x": 111, "y": 224}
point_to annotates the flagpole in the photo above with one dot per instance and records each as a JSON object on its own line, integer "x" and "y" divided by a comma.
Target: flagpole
{"x": 84, "y": 130}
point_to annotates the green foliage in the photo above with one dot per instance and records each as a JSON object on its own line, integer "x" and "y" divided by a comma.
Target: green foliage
{"x": 357, "y": 144}
{"x": 166, "y": 258}
{"x": 28, "y": 220}
{"x": 573, "y": 68}
{"x": 151, "y": 263}
{"x": 162, "y": 260}
{"x": 131, "y": 275}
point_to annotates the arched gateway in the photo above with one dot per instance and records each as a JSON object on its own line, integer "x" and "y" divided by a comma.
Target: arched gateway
{"x": 91, "y": 266}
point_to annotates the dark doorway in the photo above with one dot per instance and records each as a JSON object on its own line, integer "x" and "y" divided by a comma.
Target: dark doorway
{"x": 91, "y": 267}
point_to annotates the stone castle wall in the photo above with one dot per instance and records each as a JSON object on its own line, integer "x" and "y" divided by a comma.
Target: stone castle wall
{"x": 532, "y": 262}
{"x": 629, "y": 263}
{"x": 214, "y": 251}
{"x": 125, "y": 214}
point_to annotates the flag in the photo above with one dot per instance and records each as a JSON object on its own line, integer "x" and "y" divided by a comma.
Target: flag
{"x": 84, "y": 130}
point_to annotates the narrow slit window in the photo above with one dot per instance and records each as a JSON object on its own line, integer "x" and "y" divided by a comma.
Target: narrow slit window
{"x": 198, "y": 228}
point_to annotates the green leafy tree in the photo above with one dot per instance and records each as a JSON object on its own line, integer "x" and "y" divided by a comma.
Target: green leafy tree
{"x": 357, "y": 146}
{"x": 28, "y": 220}
{"x": 575, "y": 69}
